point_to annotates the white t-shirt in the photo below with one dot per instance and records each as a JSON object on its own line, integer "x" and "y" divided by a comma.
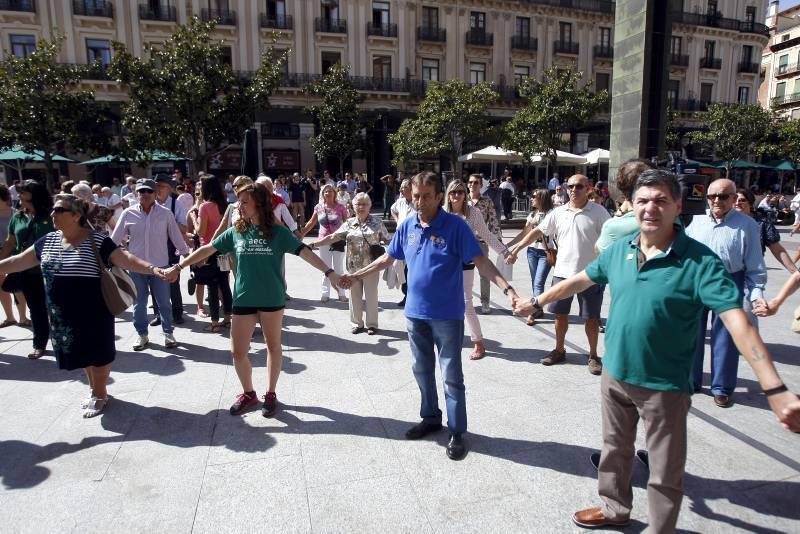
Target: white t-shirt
{"x": 507, "y": 185}
{"x": 230, "y": 193}
{"x": 575, "y": 232}
{"x": 131, "y": 199}
{"x": 402, "y": 208}
{"x": 183, "y": 204}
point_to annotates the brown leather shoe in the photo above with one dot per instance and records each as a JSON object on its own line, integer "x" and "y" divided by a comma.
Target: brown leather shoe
{"x": 555, "y": 356}
{"x": 595, "y": 365}
{"x": 594, "y": 518}
{"x": 723, "y": 401}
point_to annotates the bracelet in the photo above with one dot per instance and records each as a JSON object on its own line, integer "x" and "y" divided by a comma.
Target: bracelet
{"x": 151, "y": 268}
{"x": 506, "y": 290}
{"x": 775, "y": 391}
{"x": 535, "y": 303}
{"x": 329, "y": 271}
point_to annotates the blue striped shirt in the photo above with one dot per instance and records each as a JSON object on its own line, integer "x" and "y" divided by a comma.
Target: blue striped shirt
{"x": 736, "y": 239}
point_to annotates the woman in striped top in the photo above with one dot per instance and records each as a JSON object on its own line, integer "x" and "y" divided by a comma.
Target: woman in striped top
{"x": 81, "y": 327}
{"x": 456, "y": 202}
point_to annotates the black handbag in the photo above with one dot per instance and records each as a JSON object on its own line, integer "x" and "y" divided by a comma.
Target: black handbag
{"x": 338, "y": 246}
{"x": 375, "y": 251}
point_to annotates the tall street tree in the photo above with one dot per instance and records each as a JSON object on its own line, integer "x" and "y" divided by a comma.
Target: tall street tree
{"x": 558, "y": 104}
{"x": 734, "y": 131}
{"x": 44, "y": 108}
{"x": 184, "y": 98}
{"x": 784, "y": 143}
{"x": 452, "y": 114}
{"x": 337, "y": 114}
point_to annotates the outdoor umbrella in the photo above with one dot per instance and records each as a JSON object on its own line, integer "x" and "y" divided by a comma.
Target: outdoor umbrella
{"x": 157, "y": 155}
{"x": 562, "y": 158}
{"x": 490, "y": 154}
{"x": 250, "y": 153}
{"x": 18, "y": 154}
{"x": 700, "y": 164}
{"x": 740, "y": 164}
{"x": 596, "y": 156}
{"x": 783, "y": 165}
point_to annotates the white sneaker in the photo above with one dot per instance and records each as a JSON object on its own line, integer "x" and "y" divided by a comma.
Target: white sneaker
{"x": 486, "y": 309}
{"x": 325, "y": 298}
{"x": 169, "y": 341}
{"x": 142, "y": 344}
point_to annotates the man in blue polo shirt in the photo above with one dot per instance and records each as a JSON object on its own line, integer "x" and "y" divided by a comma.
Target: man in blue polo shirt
{"x": 661, "y": 280}
{"x": 435, "y": 245}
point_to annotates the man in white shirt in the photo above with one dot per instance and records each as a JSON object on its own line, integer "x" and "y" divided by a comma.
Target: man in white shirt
{"x": 575, "y": 228}
{"x": 167, "y": 198}
{"x": 507, "y": 198}
{"x": 400, "y": 210}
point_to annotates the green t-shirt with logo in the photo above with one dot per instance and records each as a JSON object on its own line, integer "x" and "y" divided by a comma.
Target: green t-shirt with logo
{"x": 259, "y": 283}
{"x": 27, "y": 231}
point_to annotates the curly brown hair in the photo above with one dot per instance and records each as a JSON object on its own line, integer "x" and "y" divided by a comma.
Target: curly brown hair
{"x": 263, "y": 205}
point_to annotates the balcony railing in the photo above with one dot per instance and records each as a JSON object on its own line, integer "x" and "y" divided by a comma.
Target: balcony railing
{"x": 277, "y": 130}
{"x": 18, "y": 5}
{"x": 163, "y": 13}
{"x": 362, "y": 83}
{"x": 785, "y": 70}
{"x": 602, "y": 6}
{"x": 713, "y": 20}
{"x": 604, "y": 51}
{"x": 330, "y": 25}
{"x": 749, "y": 66}
{"x": 689, "y": 105}
{"x": 710, "y": 63}
{"x": 92, "y": 71}
{"x": 93, "y": 8}
{"x": 679, "y": 60}
{"x": 524, "y": 42}
{"x": 382, "y": 30}
{"x": 431, "y": 33}
{"x": 786, "y": 99}
{"x": 281, "y": 22}
{"x": 479, "y": 37}
{"x": 226, "y": 17}
{"x": 566, "y": 47}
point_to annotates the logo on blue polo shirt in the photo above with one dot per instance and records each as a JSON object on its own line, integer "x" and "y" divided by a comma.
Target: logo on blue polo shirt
{"x": 438, "y": 242}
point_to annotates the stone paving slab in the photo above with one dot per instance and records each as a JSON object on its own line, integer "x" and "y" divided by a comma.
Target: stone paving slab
{"x": 167, "y": 457}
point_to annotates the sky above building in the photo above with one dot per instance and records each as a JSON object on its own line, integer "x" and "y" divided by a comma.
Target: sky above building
{"x": 786, "y": 4}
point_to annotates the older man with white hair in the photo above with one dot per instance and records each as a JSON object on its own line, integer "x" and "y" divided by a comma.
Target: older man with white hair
{"x": 100, "y": 217}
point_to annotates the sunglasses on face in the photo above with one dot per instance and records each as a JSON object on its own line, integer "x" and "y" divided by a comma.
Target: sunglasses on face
{"x": 720, "y": 196}
{"x": 576, "y": 186}
{"x": 457, "y": 192}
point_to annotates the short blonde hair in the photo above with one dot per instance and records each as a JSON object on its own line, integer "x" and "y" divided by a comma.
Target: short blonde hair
{"x": 362, "y": 198}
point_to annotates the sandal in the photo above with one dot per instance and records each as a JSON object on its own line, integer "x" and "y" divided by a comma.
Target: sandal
{"x": 531, "y": 320}
{"x": 202, "y": 312}
{"x": 8, "y": 322}
{"x": 36, "y": 354}
{"x": 477, "y": 354}
{"x": 213, "y": 327}
{"x": 226, "y": 323}
{"x": 95, "y": 407}
{"x": 25, "y": 323}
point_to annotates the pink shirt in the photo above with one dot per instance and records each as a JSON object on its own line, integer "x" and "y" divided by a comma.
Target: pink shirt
{"x": 209, "y": 212}
{"x": 330, "y": 219}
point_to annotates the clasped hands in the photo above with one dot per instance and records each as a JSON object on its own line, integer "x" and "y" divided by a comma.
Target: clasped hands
{"x": 762, "y": 308}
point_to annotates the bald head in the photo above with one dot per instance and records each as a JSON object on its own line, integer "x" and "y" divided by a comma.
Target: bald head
{"x": 722, "y": 185}
{"x": 721, "y": 197}
{"x": 578, "y": 190}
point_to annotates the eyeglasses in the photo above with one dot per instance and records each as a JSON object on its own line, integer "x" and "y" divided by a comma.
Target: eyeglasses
{"x": 60, "y": 209}
{"x": 457, "y": 192}
{"x": 576, "y": 186}
{"x": 722, "y": 197}
{"x": 145, "y": 191}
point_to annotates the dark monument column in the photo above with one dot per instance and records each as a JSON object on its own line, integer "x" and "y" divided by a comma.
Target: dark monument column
{"x": 642, "y": 31}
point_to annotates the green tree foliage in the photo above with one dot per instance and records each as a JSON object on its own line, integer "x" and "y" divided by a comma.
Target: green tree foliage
{"x": 183, "y": 98}
{"x": 338, "y": 115}
{"x": 452, "y": 114}
{"x": 556, "y": 105}
{"x": 784, "y": 142}
{"x": 672, "y": 137}
{"x": 44, "y": 108}
{"x": 734, "y": 131}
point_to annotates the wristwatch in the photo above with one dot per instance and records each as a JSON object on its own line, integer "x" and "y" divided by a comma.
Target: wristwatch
{"x": 506, "y": 290}
{"x": 535, "y": 303}
{"x": 329, "y": 271}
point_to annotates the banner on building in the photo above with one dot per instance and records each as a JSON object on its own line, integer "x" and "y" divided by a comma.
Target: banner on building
{"x": 281, "y": 160}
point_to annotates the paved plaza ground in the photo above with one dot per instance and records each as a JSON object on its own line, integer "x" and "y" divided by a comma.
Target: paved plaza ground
{"x": 167, "y": 457}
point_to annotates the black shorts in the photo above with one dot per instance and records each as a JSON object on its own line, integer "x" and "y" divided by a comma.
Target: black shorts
{"x": 589, "y": 300}
{"x": 250, "y": 310}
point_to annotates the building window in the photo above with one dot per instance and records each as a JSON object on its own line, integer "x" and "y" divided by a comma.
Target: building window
{"x": 605, "y": 37}
{"x": 380, "y": 13}
{"x": 785, "y": 37}
{"x": 602, "y": 80}
{"x": 520, "y": 73}
{"x": 712, "y": 7}
{"x": 477, "y": 72}
{"x": 524, "y": 27}
{"x": 477, "y": 20}
{"x": 747, "y": 54}
{"x": 706, "y": 89}
{"x": 565, "y": 32}
{"x": 330, "y": 11}
{"x": 329, "y": 59}
{"x": 780, "y": 89}
{"x": 23, "y": 45}
{"x": 709, "y": 49}
{"x": 750, "y": 14}
{"x": 227, "y": 56}
{"x": 285, "y": 65}
{"x": 675, "y": 45}
{"x": 98, "y": 50}
{"x": 797, "y": 85}
{"x": 430, "y": 17}
{"x": 783, "y": 63}
{"x": 673, "y": 92}
{"x": 276, "y": 9}
{"x": 744, "y": 95}
{"x": 221, "y": 6}
{"x": 430, "y": 70}
{"x": 382, "y": 67}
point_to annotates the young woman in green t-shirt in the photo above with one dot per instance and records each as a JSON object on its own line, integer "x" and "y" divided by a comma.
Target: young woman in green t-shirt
{"x": 259, "y": 244}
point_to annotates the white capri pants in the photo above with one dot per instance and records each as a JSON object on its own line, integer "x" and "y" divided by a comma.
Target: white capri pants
{"x": 334, "y": 259}
{"x": 470, "y": 317}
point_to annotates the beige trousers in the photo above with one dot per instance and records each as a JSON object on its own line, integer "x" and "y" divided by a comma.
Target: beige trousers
{"x": 364, "y": 289}
{"x": 664, "y": 416}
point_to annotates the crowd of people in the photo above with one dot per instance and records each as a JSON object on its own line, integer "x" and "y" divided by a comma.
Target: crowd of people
{"x": 664, "y": 278}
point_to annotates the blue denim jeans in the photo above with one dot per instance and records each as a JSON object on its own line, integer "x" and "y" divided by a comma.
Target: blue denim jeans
{"x": 448, "y": 337}
{"x": 537, "y": 263}
{"x": 145, "y": 283}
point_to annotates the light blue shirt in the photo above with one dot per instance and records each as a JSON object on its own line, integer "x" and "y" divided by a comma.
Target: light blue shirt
{"x": 736, "y": 239}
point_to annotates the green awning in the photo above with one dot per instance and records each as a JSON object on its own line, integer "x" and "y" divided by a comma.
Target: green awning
{"x": 740, "y": 164}
{"x": 781, "y": 165}
{"x": 157, "y": 155}
{"x": 700, "y": 164}
{"x": 17, "y": 153}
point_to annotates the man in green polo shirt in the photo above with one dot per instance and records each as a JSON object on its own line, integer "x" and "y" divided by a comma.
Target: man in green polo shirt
{"x": 660, "y": 279}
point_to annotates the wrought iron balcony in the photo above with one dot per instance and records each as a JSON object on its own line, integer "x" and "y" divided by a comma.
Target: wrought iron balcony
{"x": 91, "y": 71}
{"x": 382, "y": 30}
{"x": 679, "y": 60}
{"x": 18, "y": 5}
{"x": 602, "y": 6}
{"x": 362, "y": 83}
{"x": 431, "y": 33}
{"x": 714, "y": 20}
{"x": 162, "y": 12}
{"x": 749, "y": 66}
{"x": 330, "y": 25}
{"x": 710, "y": 63}
{"x": 524, "y": 42}
{"x": 93, "y": 8}
{"x": 280, "y": 130}
{"x": 225, "y": 17}
{"x": 785, "y": 100}
{"x": 689, "y": 105}
{"x": 479, "y": 37}
{"x": 566, "y": 47}
{"x": 604, "y": 51}
{"x": 786, "y": 70}
{"x": 281, "y": 22}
